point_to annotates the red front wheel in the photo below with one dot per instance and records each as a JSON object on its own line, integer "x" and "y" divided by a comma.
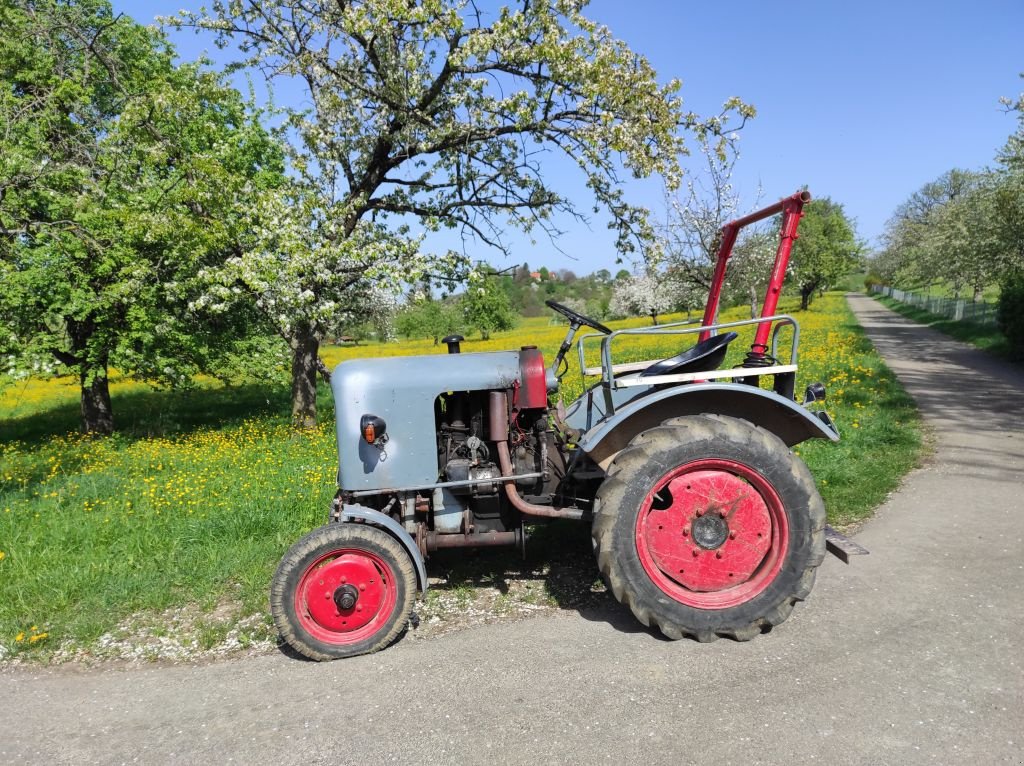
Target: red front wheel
{"x": 708, "y": 526}
{"x": 343, "y": 590}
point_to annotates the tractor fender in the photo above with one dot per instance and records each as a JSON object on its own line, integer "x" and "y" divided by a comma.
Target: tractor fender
{"x": 783, "y": 417}
{"x": 361, "y": 514}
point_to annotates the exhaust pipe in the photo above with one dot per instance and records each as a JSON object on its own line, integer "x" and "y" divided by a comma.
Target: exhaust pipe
{"x": 498, "y": 412}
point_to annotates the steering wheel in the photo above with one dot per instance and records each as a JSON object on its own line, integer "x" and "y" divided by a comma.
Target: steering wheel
{"x": 576, "y": 318}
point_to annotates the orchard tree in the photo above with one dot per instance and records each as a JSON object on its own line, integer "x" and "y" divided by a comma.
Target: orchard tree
{"x": 120, "y": 175}
{"x": 964, "y": 240}
{"x": 486, "y": 306}
{"x": 1009, "y": 190}
{"x": 692, "y": 234}
{"x": 909, "y": 255}
{"x": 428, "y": 317}
{"x": 308, "y": 281}
{"x": 648, "y": 295}
{"x": 826, "y": 250}
{"x": 441, "y": 113}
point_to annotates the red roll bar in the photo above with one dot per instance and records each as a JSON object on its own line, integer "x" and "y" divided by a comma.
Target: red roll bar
{"x": 792, "y": 210}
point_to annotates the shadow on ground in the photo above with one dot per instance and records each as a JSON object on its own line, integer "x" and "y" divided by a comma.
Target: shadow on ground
{"x": 162, "y": 412}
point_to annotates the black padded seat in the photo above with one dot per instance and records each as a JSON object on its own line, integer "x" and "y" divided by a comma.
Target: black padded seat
{"x": 706, "y": 355}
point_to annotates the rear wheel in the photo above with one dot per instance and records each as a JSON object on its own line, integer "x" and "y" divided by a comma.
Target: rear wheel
{"x": 343, "y": 590}
{"x": 709, "y": 526}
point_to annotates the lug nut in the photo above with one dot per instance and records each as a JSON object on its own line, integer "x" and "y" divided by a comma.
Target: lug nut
{"x": 696, "y": 552}
{"x": 732, "y": 535}
{"x": 700, "y": 511}
{"x": 686, "y": 531}
{"x": 718, "y": 554}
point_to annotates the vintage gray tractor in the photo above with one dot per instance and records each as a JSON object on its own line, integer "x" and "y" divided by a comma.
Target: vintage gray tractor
{"x": 704, "y": 522}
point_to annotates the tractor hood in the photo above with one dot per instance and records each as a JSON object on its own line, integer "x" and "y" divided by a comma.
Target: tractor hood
{"x": 402, "y": 391}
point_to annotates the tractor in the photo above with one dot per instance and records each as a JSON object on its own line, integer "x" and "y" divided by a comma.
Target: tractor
{"x": 704, "y": 522}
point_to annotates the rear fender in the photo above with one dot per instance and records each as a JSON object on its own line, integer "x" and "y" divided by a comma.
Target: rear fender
{"x": 783, "y": 417}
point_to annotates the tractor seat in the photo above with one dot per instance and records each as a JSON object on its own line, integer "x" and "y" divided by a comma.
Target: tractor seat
{"x": 706, "y": 355}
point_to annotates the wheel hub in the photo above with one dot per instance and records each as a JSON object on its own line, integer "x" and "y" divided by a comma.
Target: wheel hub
{"x": 344, "y": 594}
{"x": 710, "y": 531}
{"x": 345, "y": 597}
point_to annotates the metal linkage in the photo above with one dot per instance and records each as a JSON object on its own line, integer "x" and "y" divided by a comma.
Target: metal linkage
{"x": 792, "y": 210}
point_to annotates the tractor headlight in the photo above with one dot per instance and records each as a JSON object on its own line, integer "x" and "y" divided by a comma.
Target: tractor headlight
{"x": 373, "y": 429}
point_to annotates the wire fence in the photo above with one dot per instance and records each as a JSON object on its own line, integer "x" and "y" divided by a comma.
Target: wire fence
{"x": 957, "y": 309}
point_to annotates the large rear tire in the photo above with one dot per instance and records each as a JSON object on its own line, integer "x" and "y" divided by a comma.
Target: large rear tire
{"x": 343, "y": 590}
{"x": 709, "y": 526}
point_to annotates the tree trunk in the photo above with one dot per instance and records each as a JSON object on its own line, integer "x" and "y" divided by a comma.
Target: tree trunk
{"x": 305, "y": 355}
{"x": 654, "y": 318}
{"x": 805, "y": 297}
{"x": 96, "y": 410}
{"x": 753, "y": 302}
{"x": 97, "y": 414}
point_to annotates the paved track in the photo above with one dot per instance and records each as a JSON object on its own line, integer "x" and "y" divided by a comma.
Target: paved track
{"x": 912, "y": 655}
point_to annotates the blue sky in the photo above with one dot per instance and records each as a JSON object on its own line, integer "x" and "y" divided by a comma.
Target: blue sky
{"x": 863, "y": 102}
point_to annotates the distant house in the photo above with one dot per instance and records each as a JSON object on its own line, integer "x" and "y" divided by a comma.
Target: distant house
{"x": 535, "y": 276}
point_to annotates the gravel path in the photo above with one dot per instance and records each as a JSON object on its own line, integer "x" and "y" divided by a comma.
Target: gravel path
{"x": 910, "y": 655}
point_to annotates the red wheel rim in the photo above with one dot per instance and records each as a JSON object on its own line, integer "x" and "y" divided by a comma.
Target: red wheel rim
{"x": 712, "y": 534}
{"x": 356, "y": 571}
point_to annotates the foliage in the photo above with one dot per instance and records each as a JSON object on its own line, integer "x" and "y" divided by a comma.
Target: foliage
{"x": 424, "y": 112}
{"x": 590, "y": 294}
{"x": 486, "y": 305}
{"x": 1011, "y": 311}
{"x": 121, "y": 175}
{"x": 649, "y": 294}
{"x": 692, "y": 236}
{"x": 308, "y": 280}
{"x": 826, "y": 249}
{"x": 947, "y": 231}
{"x": 965, "y": 229}
{"x": 430, "y": 318}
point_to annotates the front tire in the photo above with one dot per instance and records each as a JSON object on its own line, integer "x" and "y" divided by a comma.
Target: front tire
{"x": 343, "y": 590}
{"x": 709, "y": 526}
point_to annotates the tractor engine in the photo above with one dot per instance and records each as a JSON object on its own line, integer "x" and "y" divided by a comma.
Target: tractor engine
{"x": 468, "y": 429}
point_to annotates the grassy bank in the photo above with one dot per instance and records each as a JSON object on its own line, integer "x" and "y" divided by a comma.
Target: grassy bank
{"x": 174, "y": 525}
{"x": 986, "y": 337}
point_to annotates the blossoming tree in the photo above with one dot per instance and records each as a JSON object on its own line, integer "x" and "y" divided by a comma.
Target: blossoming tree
{"x": 440, "y": 115}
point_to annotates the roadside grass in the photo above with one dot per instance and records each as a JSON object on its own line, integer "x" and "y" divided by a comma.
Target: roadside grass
{"x": 181, "y": 516}
{"x": 986, "y": 337}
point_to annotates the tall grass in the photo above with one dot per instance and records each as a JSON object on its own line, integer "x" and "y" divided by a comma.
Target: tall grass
{"x": 194, "y": 500}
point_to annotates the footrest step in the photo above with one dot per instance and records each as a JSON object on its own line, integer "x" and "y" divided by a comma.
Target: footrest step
{"x": 841, "y": 546}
